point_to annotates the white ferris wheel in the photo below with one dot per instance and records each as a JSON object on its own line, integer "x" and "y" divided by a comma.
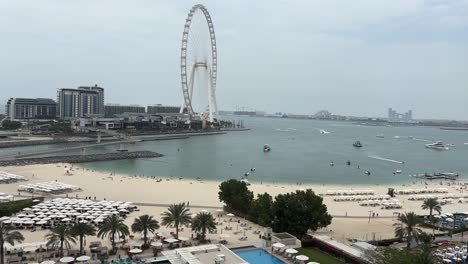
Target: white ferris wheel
{"x": 198, "y": 63}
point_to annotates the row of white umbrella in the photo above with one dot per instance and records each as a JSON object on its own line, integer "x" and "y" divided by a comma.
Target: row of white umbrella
{"x": 9, "y": 177}
{"x": 415, "y": 191}
{"x": 361, "y": 197}
{"x": 68, "y": 260}
{"x": 53, "y": 186}
{"x": 350, "y": 192}
{"x": 64, "y": 210}
{"x": 292, "y": 251}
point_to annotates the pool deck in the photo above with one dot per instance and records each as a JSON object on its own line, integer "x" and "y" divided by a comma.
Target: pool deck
{"x": 202, "y": 254}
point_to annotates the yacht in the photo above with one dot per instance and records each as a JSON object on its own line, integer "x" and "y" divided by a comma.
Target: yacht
{"x": 439, "y": 145}
{"x": 357, "y": 144}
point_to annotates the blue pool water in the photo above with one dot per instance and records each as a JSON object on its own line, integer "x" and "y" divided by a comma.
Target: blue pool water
{"x": 258, "y": 256}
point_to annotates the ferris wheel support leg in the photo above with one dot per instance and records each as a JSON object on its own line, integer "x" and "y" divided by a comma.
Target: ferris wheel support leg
{"x": 211, "y": 100}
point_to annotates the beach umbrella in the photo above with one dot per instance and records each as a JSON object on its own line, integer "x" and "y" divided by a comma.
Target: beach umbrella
{"x": 36, "y": 200}
{"x": 83, "y": 258}
{"x": 41, "y": 222}
{"x": 135, "y": 251}
{"x": 231, "y": 215}
{"x": 4, "y": 218}
{"x": 66, "y": 219}
{"x": 30, "y": 249}
{"x": 302, "y": 258}
{"x": 278, "y": 245}
{"x": 313, "y": 262}
{"x": 48, "y": 262}
{"x": 156, "y": 244}
{"x": 291, "y": 251}
{"x": 29, "y": 222}
{"x": 67, "y": 259}
{"x": 219, "y": 210}
{"x": 171, "y": 240}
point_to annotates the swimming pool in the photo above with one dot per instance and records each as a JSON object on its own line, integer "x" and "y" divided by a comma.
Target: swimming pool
{"x": 258, "y": 256}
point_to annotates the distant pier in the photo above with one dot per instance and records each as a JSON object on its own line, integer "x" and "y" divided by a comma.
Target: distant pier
{"x": 81, "y": 158}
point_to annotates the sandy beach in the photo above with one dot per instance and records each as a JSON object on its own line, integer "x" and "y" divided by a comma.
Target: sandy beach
{"x": 350, "y": 222}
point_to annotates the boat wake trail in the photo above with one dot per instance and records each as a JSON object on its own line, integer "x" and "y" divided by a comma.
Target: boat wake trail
{"x": 286, "y": 129}
{"x": 420, "y": 139}
{"x": 385, "y": 159}
{"x": 322, "y": 131}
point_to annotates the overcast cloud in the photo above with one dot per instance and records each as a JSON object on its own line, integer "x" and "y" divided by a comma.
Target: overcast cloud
{"x": 350, "y": 57}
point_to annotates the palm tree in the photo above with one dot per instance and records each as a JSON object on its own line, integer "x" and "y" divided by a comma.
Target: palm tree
{"x": 113, "y": 225}
{"x": 59, "y": 237}
{"x": 8, "y": 235}
{"x": 145, "y": 224}
{"x": 462, "y": 228}
{"x": 81, "y": 230}
{"x": 433, "y": 205}
{"x": 202, "y": 222}
{"x": 178, "y": 215}
{"x": 407, "y": 228}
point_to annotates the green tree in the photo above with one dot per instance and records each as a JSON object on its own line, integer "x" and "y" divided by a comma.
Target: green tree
{"x": 81, "y": 230}
{"x": 7, "y": 234}
{"x": 433, "y": 205}
{"x": 11, "y": 125}
{"x": 408, "y": 228}
{"x": 236, "y": 195}
{"x": 202, "y": 222}
{"x": 113, "y": 225}
{"x": 177, "y": 215}
{"x": 299, "y": 211}
{"x": 388, "y": 255}
{"x": 60, "y": 237}
{"x": 261, "y": 210}
{"x": 144, "y": 224}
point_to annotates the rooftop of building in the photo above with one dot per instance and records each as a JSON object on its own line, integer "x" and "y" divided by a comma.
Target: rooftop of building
{"x": 32, "y": 100}
{"x": 203, "y": 254}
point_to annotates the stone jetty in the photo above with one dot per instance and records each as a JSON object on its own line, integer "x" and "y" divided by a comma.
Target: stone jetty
{"x": 81, "y": 158}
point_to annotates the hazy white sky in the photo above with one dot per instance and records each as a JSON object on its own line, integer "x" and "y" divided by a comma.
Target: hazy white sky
{"x": 350, "y": 57}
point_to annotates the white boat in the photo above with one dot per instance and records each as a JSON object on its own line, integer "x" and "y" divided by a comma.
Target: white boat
{"x": 439, "y": 145}
{"x": 380, "y": 136}
{"x": 398, "y": 171}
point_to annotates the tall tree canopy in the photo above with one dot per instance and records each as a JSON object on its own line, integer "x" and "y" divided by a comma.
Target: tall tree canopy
{"x": 236, "y": 195}
{"x": 261, "y": 210}
{"x": 298, "y": 212}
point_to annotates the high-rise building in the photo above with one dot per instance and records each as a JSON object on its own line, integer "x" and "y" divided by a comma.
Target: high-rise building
{"x": 86, "y": 101}
{"x": 100, "y": 96}
{"x": 163, "y": 109}
{"x": 394, "y": 116}
{"x": 30, "y": 108}
{"x": 113, "y": 110}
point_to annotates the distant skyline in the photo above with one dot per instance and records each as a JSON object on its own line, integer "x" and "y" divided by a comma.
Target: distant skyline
{"x": 349, "y": 57}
